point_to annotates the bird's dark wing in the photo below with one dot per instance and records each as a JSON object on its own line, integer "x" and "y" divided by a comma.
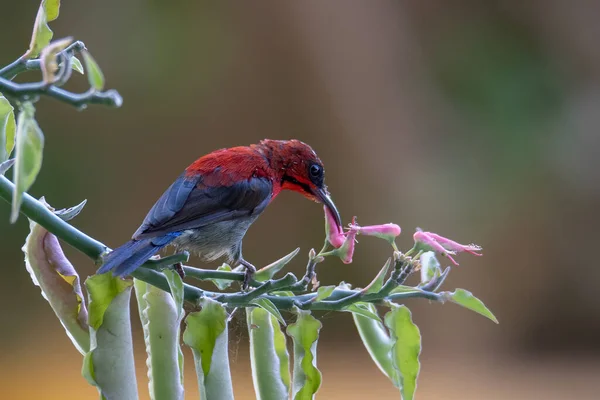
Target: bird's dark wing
{"x": 188, "y": 204}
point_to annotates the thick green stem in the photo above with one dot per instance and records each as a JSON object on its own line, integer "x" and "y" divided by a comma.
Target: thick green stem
{"x": 339, "y": 299}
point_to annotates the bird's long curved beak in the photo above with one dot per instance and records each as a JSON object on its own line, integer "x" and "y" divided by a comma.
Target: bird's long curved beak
{"x": 324, "y": 198}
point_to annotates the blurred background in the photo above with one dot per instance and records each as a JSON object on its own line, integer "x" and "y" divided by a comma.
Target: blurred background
{"x": 474, "y": 119}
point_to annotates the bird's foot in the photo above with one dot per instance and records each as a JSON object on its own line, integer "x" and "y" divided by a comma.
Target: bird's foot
{"x": 178, "y": 267}
{"x": 250, "y": 270}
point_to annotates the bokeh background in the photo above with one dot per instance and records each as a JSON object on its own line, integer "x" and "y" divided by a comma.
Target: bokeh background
{"x": 475, "y": 119}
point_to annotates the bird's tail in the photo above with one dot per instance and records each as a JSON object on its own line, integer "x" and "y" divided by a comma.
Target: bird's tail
{"x": 125, "y": 259}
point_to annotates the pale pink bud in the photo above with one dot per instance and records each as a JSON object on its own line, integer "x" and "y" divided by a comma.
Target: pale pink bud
{"x": 442, "y": 245}
{"x": 334, "y": 232}
{"x": 385, "y": 231}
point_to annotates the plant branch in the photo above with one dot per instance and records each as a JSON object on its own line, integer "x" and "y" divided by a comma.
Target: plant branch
{"x": 32, "y": 91}
{"x": 23, "y": 64}
{"x": 338, "y": 300}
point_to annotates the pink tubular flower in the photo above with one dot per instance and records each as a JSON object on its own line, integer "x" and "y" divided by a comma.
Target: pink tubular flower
{"x": 346, "y": 251}
{"x": 385, "y": 231}
{"x": 442, "y": 245}
{"x": 335, "y": 233}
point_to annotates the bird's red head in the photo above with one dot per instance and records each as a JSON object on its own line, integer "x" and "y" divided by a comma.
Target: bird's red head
{"x": 299, "y": 169}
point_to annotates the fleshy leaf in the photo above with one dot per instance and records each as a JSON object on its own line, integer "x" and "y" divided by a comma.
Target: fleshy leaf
{"x": 94, "y": 73}
{"x": 404, "y": 289}
{"x": 67, "y": 214}
{"x": 305, "y": 334}
{"x": 324, "y": 292}
{"x": 377, "y": 283}
{"x": 76, "y": 65}
{"x": 378, "y": 343}
{"x": 406, "y": 349}
{"x": 268, "y": 306}
{"x": 161, "y": 317}
{"x": 42, "y": 34}
{"x": 268, "y": 355}
{"x": 7, "y": 129}
{"x": 436, "y": 282}
{"x": 285, "y": 293}
{"x": 466, "y": 299}
{"x": 270, "y": 270}
{"x": 177, "y": 292}
{"x": 109, "y": 364}
{"x": 206, "y": 334}
{"x": 5, "y": 165}
{"x": 362, "y": 308}
{"x": 223, "y": 284}
{"x": 30, "y": 145}
{"x": 430, "y": 266}
{"x": 48, "y": 62}
{"x": 102, "y": 289}
{"x": 59, "y": 282}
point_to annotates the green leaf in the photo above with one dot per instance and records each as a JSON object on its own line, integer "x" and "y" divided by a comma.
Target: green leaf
{"x": 430, "y": 266}
{"x": 305, "y": 334}
{"x": 42, "y": 34}
{"x": 404, "y": 289}
{"x": 59, "y": 282}
{"x": 177, "y": 292}
{"x": 30, "y": 145}
{"x": 76, "y": 65}
{"x": 48, "y": 63}
{"x": 94, "y": 74}
{"x": 285, "y": 293}
{"x": 268, "y": 306}
{"x": 102, "y": 289}
{"x": 377, "y": 283}
{"x": 7, "y": 129}
{"x": 109, "y": 364}
{"x": 223, "y": 284}
{"x": 206, "y": 334}
{"x": 406, "y": 349}
{"x": 266, "y": 273}
{"x": 362, "y": 308}
{"x": 466, "y": 299}
{"x": 324, "y": 292}
{"x": 268, "y": 355}
{"x": 377, "y": 341}
{"x": 161, "y": 317}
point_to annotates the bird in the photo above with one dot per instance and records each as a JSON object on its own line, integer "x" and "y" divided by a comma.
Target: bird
{"x": 210, "y": 206}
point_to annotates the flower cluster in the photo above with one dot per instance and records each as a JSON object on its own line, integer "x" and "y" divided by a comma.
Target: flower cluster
{"x": 429, "y": 241}
{"x": 344, "y": 241}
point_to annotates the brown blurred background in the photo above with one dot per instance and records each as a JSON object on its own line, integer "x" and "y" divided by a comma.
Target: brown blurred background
{"x": 474, "y": 119}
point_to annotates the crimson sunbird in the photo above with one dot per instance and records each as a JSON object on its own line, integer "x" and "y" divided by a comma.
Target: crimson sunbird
{"x": 211, "y": 205}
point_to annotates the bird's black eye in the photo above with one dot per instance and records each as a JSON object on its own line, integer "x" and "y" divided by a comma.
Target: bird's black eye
{"x": 316, "y": 173}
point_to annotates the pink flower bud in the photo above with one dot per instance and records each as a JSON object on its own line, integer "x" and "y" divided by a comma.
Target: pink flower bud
{"x": 442, "y": 245}
{"x": 335, "y": 233}
{"x": 385, "y": 231}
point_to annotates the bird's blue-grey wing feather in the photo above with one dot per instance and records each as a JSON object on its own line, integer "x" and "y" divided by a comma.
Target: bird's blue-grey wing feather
{"x": 188, "y": 204}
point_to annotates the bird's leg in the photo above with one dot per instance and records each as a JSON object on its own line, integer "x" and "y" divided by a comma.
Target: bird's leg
{"x": 250, "y": 270}
{"x": 178, "y": 267}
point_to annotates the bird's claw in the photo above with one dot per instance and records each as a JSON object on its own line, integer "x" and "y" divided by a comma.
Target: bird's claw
{"x": 248, "y": 275}
{"x": 178, "y": 267}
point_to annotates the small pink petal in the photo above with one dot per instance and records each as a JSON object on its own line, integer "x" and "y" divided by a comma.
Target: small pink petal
{"x": 429, "y": 241}
{"x": 454, "y": 246}
{"x": 346, "y": 251}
